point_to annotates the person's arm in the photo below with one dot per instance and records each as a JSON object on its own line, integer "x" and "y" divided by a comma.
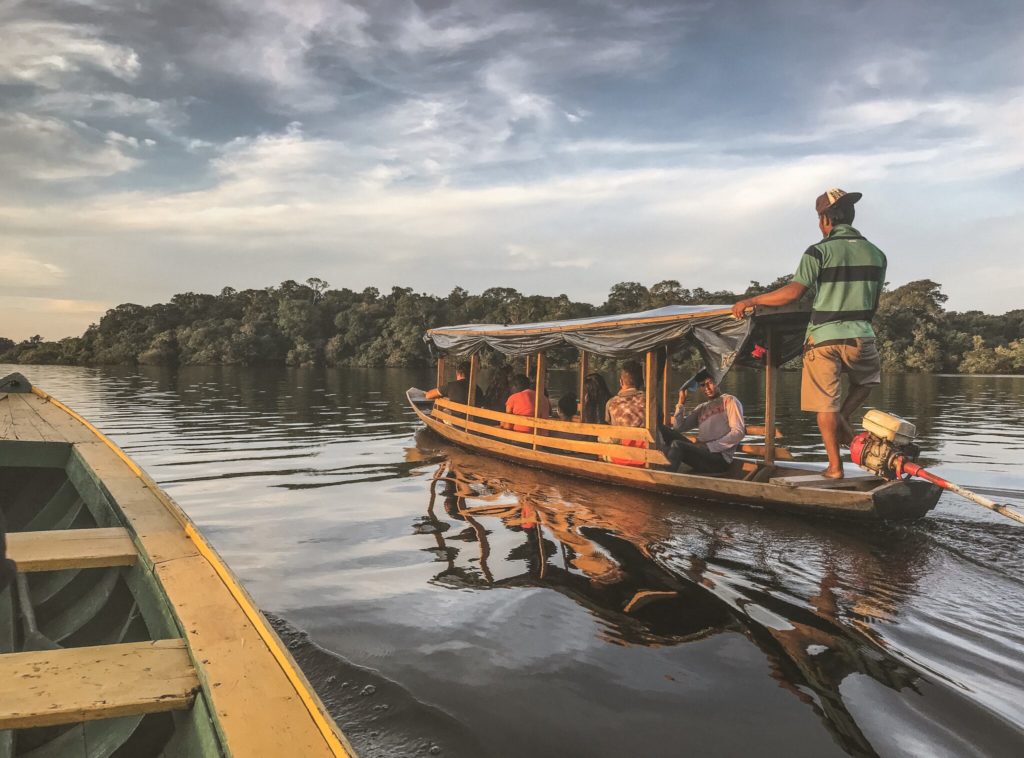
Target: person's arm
{"x": 679, "y": 413}
{"x": 737, "y": 427}
{"x": 434, "y": 394}
{"x": 881, "y": 285}
{"x": 689, "y": 421}
{"x": 784, "y": 295}
{"x": 508, "y": 409}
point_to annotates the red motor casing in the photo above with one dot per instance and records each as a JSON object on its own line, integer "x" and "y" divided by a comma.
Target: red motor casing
{"x": 857, "y": 445}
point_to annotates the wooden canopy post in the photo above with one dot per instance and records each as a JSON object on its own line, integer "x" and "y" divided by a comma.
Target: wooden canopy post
{"x": 440, "y": 372}
{"x": 474, "y": 363}
{"x": 770, "y": 382}
{"x": 651, "y": 395}
{"x": 527, "y": 369}
{"x": 538, "y": 393}
{"x": 584, "y": 360}
{"x": 665, "y": 416}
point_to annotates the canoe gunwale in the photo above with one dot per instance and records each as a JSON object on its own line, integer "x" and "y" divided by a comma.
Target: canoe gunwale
{"x": 117, "y": 492}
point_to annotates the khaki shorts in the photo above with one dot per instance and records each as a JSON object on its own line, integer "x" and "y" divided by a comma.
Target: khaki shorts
{"x": 823, "y": 366}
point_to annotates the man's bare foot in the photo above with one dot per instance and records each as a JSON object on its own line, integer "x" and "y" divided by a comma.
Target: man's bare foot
{"x": 830, "y": 474}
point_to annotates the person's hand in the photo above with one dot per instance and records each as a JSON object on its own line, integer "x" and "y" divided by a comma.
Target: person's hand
{"x": 742, "y": 305}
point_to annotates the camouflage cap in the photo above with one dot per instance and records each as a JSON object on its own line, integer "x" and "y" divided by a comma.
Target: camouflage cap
{"x": 834, "y": 196}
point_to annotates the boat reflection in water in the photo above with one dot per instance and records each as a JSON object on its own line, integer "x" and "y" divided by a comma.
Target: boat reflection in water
{"x": 812, "y": 598}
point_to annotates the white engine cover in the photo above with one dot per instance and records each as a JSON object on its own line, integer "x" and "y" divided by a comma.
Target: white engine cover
{"x": 889, "y": 427}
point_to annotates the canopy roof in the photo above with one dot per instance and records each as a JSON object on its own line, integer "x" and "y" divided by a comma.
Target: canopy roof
{"x": 710, "y": 328}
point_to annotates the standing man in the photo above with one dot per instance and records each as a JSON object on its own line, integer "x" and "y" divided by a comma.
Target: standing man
{"x": 847, "y": 273}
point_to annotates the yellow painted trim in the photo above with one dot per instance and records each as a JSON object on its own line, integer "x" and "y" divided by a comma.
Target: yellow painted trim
{"x": 269, "y": 637}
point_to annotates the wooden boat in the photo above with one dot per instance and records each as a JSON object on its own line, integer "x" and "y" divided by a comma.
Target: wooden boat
{"x": 124, "y": 633}
{"x": 766, "y": 339}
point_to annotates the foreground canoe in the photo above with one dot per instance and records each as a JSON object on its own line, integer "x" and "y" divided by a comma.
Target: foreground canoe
{"x": 123, "y": 631}
{"x": 789, "y": 487}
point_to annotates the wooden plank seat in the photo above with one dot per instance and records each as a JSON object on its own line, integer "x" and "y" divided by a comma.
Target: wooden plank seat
{"x": 66, "y": 686}
{"x": 821, "y": 482}
{"x": 71, "y": 549}
{"x": 445, "y": 411}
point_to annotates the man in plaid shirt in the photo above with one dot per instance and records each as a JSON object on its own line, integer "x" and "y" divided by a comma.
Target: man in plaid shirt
{"x": 628, "y": 408}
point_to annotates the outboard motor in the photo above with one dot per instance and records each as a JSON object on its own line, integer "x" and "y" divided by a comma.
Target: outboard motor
{"x": 885, "y": 446}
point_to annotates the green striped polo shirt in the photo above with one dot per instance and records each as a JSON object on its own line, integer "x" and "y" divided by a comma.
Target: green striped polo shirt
{"x": 847, "y": 273}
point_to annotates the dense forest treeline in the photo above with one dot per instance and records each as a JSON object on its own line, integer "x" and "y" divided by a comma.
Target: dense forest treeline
{"x": 312, "y": 324}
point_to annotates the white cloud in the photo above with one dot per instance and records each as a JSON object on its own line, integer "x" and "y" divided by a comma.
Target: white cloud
{"x": 272, "y": 43}
{"x": 449, "y": 32}
{"x": 22, "y": 271}
{"x": 47, "y": 53}
{"x": 49, "y": 149}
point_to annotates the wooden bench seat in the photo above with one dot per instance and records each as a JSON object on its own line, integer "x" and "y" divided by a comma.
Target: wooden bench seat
{"x": 821, "y": 482}
{"x": 70, "y": 685}
{"x": 71, "y": 549}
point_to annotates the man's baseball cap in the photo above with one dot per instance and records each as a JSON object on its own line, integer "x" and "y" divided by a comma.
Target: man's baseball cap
{"x": 833, "y": 197}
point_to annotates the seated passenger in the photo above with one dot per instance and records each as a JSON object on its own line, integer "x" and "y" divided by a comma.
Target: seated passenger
{"x": 566, "y": 407}
{"x": 628, "y": 407}
{"x": 720, "y": 430}
{"x": 498, "y": 388}
{"x": 522, "y": 403}
{"x": 456, "y": 390}
{"x": 595, "y": 398}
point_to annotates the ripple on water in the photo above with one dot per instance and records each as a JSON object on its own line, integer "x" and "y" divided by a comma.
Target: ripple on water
{"x": 502, "y": 611}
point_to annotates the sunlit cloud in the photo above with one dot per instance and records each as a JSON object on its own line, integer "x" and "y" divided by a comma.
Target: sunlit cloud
{"x": 550, "y": 147}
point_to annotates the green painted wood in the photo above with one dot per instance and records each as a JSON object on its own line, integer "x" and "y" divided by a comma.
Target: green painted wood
{"x": 78, "y": 614}
{"x": 194, "y": 734}
{"x": 46, "y": 584}
{"x": 8, "y": 621}
{"x": 34, "y": 454}
{"x": 34, "y": 488}
{"x": 6, "y": 743}
{"x": 92, "y": 492}
{"x": 68, "y": 744}
{"x": 53, "y": 510}
{"x": 103, "y": 738}
{"x": 153, "y": 604}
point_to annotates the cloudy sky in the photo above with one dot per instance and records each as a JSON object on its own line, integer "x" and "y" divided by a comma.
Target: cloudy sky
{"x": 150, "y": 147}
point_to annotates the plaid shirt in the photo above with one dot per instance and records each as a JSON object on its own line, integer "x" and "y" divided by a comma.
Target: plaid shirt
{"x": 628, "y": 408}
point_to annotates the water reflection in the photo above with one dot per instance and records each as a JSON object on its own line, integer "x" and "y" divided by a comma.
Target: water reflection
{"x": 814, "y": 601}
{"x": 586, "y": 616}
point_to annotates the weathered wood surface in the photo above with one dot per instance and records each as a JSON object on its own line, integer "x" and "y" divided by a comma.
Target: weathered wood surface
{"x": 258, "y": 709}
{"x": 71, "y": 549}
{"x": 781, "y": 453}
{"x": 82, "y": 684}
{"x": 557, "y": 443}
{"x": 755, "y": 430}
{"x": 821, "y": 482}
{"x": 595, "y": 430}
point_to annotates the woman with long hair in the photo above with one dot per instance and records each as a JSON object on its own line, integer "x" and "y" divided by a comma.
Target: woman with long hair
{"x": 595, "y": 396}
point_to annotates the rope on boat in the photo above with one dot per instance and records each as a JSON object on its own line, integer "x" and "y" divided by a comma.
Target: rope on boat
{"x": 273, "y": 642}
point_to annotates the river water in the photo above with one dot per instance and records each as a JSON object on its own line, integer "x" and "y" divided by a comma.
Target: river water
{"x": 564, "y": 618}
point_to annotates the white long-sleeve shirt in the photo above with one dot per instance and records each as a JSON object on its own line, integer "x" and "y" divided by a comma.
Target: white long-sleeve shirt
{"x": 719, "y": 421}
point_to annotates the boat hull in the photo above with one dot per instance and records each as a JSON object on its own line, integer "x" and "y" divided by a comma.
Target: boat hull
{"x": 891, "y": 501}
{"x": 113, "y": 577}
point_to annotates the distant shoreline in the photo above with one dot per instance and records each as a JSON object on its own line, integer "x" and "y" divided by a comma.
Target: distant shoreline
{"x": 311, "y": 324}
